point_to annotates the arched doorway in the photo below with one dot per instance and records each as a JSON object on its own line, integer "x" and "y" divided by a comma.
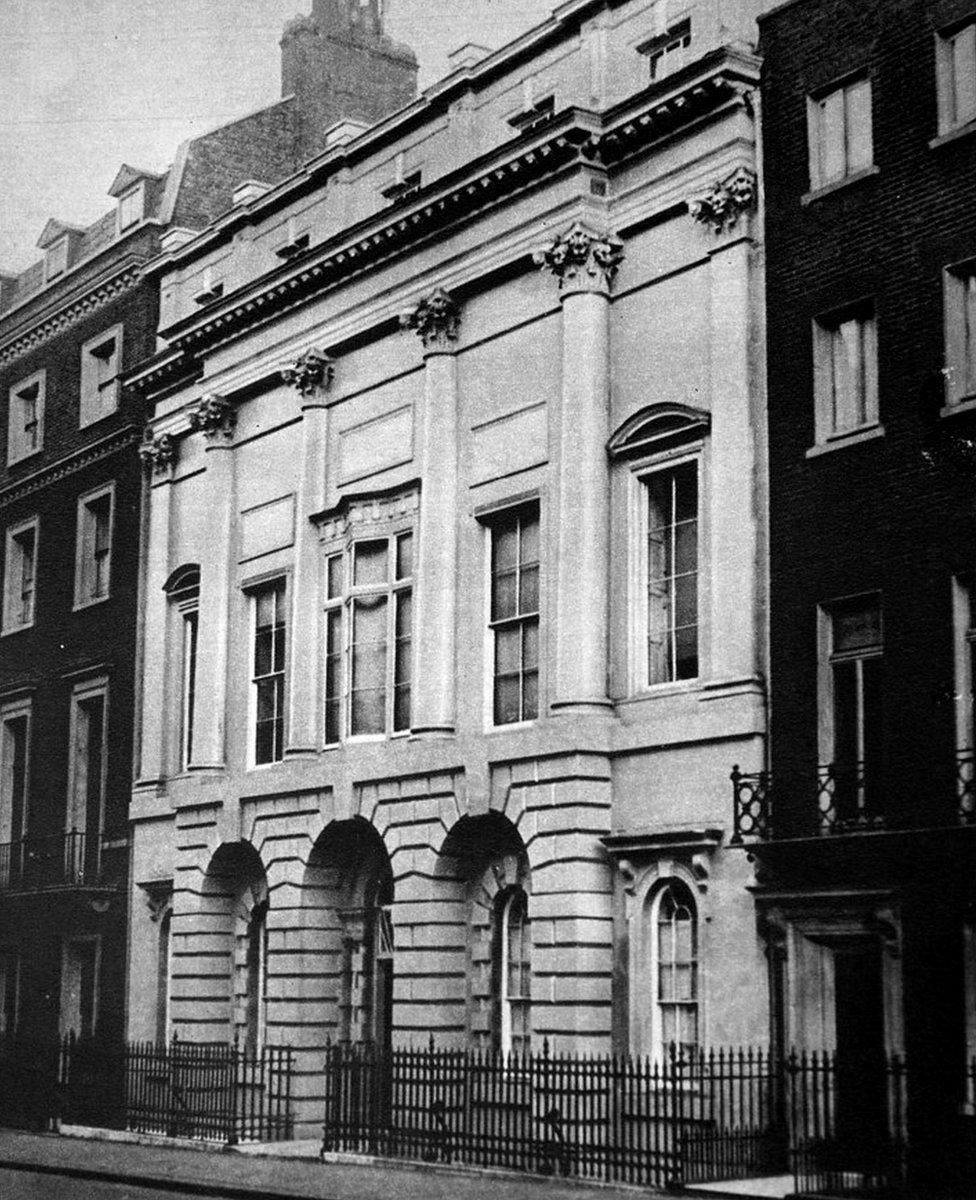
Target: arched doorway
{"x": 350, "y": 877}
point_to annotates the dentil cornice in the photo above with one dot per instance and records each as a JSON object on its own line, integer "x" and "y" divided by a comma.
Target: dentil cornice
{"x": 436, "y": 319}
{"x": 582, "y": 260}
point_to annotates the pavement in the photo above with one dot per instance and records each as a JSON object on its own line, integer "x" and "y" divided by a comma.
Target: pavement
{"x": 237, "y": 1175}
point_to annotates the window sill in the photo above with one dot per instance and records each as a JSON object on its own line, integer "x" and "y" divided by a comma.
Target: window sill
{"x": 953, "y": 135}
{"x": 101, "y": 417}
{"x": 82, "y": 604}
{"x": 966, "y": 405}
{"x": 838, "y": 185}
{"x": 655, "y": 691}
{"x": 866, "y": 433}
{"x": 512, "y": 726}
{"x": 10, "y": 630}
{"x": 20, "y": 458}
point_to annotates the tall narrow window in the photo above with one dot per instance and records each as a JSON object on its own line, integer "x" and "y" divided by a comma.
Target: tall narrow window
{"x": 14, "y": 766}
{"x": 100, "y": 366}
{"x": 841, "y": 142}
{"x": 512, "y": 971}
{"x": 268, "y": 672}
{"x": 960, "y": 332}
{"x": 676, "y": 966}
{"x": 25, "y": 423}
{"x": 88, "y": 772}
{"x": 515, "y": 615}
{"x": 9, "y": 992}
{"x": 20, "y": 576}
{"x": 93, "y": 561}
{"x": 188, "y": 690}
{"x": 956, "y": 76}
{"x": 846, "y": 373}
{"x": 369, "y": 638}
{"x": 162, "y": 978}
{"x": 256, "y": 977}
{"x": 849, "y": 783}
{"x": 79, "y": 986}
{"x": 672, "y": 574}
{"x": 964, "y": 639}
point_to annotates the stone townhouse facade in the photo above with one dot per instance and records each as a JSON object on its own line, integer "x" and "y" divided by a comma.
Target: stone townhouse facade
{"x": 71, "y": 504}
{"x": 863, "y": 835}
{"x": 454, "y": 582}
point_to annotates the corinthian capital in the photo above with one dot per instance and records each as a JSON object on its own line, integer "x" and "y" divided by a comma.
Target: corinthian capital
{"x": 215, "y": 415}
{"x": 582, "y": 260}
{"x": 437, "y": 319}
{"x": 159, "y": 454}
{"x": 312, "y": 372}
{"x": 723, "y": 204}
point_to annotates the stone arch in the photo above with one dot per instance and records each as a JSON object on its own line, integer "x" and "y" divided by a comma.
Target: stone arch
{"x": 348, "y": 892}
{"x": 233, "y": 906}
{"x": 484, "y": 859}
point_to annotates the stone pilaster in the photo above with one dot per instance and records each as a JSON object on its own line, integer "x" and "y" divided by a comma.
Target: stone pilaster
{"x": 215, "y": 417}
{"x": 584, "y": 262}
{"x": 311, "y": 376}
{"x": 436, "y": 319}
{"x": 159, "y": 460}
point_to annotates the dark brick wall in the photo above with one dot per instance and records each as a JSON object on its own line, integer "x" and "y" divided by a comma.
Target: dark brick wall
{"x": 879, "y": 516}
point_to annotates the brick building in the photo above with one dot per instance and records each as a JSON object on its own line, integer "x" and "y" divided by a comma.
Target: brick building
{"x": 864, "y": 835}
{"x": 455, "y": 568}
{"x": 71, "y": 491}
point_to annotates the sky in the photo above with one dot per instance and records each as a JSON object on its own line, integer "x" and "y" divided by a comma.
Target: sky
{"x": 86, "y": 85}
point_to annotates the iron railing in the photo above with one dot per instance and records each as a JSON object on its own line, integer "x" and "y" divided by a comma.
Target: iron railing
{"x": 695, "y": 1116}
{"x": 207, "y": 1091}
{"x": 845, "y": 799}
{"x": 35, "y": 862}
{"x": 752, "y": 806}
{"x": 847, "y": 1125}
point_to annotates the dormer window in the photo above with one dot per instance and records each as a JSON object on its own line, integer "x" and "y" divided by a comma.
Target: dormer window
{"x": 668, "y": 51}
{"x": 296, "y": 240}
{"x": 56, "y": 259}
{"x": 132, "y": 206}
{"x": 210, "y": 289}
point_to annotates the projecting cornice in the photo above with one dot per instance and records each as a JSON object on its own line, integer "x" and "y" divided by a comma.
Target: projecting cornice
{"x": 696, "y": 94}
{"x": 75, "y": 310}
{"x": 121, "y": 440}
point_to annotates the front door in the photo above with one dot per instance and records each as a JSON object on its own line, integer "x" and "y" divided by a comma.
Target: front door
{"x": 861, "y": 1085}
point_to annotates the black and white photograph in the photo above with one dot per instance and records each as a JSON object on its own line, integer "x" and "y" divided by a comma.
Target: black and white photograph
{"x": 487, "y": 599}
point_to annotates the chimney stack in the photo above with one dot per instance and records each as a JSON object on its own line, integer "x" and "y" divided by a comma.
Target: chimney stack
{"x": 341, "y": 65}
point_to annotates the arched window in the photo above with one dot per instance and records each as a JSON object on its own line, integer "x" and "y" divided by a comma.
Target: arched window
{"x": 183, "y": 590}
{"x": 512, "y": 971}
{"x": 675, "y": 957}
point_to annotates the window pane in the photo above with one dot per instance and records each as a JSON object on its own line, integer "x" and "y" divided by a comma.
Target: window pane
{"x": 506, "y": 700}
{"x": 530, "y": 645}
{"x": 859, "y": 149}
{"x": 845, "y": 715}
{"x": 529, "y": 597}
{"x": 832, "y": 156}
{"x": 530, "y": 695}
{"x": 964, "y": 75}
{"x": 333, "y": 675}
{"x": 530, "y": 540}
{"x": 370, "y": 563}
{"x": 504, "y": 547}
{"x": 263, "y": 651}
{"x": 369, "y": 711}
{"x": 504, "y": 596}
{"x": 856, "y": 627}
{"x": 404, "y": 548}
{"x": 507, "y": 651}
{"x": 336, "y": 576}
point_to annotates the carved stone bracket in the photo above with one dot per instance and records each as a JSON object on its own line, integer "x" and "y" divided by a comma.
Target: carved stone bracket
{"x": 722, "y": 205}
{"x": 312, "y": 372}
{"x": 159, "y": 454}
{"x": 159, "y": 897}
{"x": 215, "y": 416}
{"x": 436, "y": 319}
{"x": 582, "y": 260}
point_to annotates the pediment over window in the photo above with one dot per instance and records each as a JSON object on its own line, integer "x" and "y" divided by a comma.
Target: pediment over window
{"x": 658, "y": 427}
{"x": 184, "y": 579}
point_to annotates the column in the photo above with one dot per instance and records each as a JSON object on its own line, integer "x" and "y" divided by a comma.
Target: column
{"x": 436, "y": 319}
{"x": 311, "y": 376}
{"x": 584, "y": 262}
{"x": 216, "y": 417}
{"x": 159, "y": 459}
